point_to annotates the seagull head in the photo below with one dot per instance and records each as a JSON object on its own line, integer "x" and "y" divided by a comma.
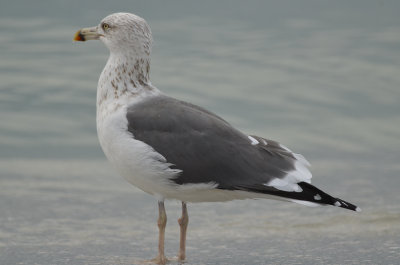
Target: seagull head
{"x": 121, "y": 33}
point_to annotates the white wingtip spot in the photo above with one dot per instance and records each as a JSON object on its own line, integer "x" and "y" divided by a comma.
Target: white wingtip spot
{"x": 358, "y": 209}
{"x": 337, "y": 204}
{"x": 253, "y": 140}
{"x": 317, "y": 197}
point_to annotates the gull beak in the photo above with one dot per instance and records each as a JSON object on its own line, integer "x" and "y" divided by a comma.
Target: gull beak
{"x": 87, "y": 34}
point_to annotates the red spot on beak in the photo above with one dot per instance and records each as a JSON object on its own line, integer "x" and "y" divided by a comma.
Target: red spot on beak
{"x": 78, "y": 36}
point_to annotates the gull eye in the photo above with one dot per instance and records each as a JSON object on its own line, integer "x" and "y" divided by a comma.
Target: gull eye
{"x": 105, "y": 26}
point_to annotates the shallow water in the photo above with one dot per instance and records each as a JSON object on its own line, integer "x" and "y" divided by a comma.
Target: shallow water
{"x": 320, "y": 77}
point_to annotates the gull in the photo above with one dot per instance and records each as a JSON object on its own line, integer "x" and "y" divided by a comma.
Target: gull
{"x": 176, "y": 150}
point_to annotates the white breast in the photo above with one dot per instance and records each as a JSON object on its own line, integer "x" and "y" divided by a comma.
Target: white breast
{"x": 136, "y": 161}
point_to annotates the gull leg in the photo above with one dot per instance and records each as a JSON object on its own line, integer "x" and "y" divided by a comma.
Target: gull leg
{"x": 183, "y": 223}
{"x": 161, "y": 222}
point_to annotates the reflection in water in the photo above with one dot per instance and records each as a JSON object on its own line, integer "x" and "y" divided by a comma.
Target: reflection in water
{"x": 327, "y": 89}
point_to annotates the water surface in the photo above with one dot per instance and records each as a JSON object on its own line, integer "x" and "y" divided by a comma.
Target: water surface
{"x": 320, "y": 77}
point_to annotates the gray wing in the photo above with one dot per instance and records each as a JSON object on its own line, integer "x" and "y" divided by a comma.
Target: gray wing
{"x": 208, "y": 149}
{"x": 205, "y": 147}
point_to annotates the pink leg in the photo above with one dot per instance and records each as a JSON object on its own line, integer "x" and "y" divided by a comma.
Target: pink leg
{"x": 162, "y": 222}
{"x": 183, "y": 223}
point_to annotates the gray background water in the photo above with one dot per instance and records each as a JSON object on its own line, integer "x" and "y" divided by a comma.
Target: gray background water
{"x": 322, "y": 77}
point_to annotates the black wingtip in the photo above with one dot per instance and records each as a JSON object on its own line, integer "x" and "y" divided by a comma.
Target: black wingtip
{"x": 346, "y": 205}
{"x": 309, "y": 193}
